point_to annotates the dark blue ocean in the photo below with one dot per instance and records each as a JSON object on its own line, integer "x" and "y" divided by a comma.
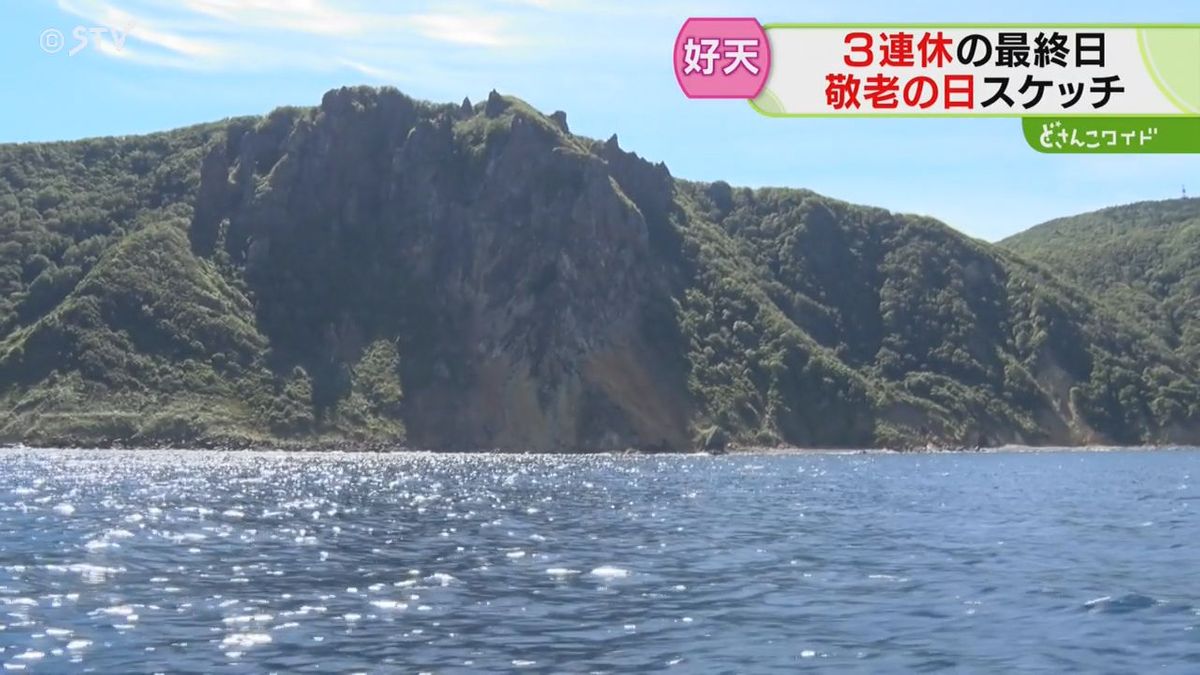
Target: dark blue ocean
{"x": 148, "y": 561}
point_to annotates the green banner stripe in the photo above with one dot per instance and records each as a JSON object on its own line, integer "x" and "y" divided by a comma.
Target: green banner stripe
{"x": 1103, "y": 135}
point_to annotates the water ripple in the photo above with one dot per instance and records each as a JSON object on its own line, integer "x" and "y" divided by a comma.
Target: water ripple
{"x": 263, "y": 561}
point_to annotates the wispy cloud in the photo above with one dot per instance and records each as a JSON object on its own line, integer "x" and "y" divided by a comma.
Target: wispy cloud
{"x": 484, "y": 31}
{"x": 298, "y": 34}
{"x": 140, "y": 28}
{"x": 303, "y": 16}
{"x": 373, "y": 72}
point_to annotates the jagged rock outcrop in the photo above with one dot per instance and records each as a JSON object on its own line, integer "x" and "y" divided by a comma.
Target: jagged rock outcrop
{"x": 506, "y": 260}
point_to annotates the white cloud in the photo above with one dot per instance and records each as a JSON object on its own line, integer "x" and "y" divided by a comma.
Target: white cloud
{"x": 305, "y": 16}
{"x": 304, "y": 35}
{"x": 140, "y": 28}
{"x": 483, "y": 31}
{"x": 436, "y": 48}
{"x": 373, "y": 72}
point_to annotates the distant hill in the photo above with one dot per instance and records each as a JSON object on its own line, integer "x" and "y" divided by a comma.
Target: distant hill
{"x": 386, "y": 271}
{"x": 1142, "y": 260}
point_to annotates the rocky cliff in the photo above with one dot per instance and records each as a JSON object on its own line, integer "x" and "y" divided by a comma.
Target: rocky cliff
{"x": 385, "y": 270}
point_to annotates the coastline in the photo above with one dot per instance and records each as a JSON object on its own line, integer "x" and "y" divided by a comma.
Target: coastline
{"x": 372, "y": 447}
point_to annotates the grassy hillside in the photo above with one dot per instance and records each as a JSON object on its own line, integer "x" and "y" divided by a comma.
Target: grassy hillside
{"x": 388, "y": 271}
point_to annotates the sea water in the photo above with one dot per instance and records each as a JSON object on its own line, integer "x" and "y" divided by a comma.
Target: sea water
{"x": 140, "y": 561}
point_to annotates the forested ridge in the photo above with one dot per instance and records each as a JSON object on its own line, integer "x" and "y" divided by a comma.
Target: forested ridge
{"x": 383, "y": 271}
{"x": 1142, "y": 260}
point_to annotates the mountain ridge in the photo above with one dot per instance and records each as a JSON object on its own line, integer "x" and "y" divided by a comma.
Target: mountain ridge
{"x": 1140, "y": 259}
{"x": 383, "y": 270}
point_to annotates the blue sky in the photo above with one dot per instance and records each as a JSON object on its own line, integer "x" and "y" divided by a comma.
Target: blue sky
{"x": 606, "y": 64}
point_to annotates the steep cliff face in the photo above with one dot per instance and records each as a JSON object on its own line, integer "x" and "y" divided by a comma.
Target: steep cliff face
{"x": 475, "y": 276}
{"x": 498, "y": 251}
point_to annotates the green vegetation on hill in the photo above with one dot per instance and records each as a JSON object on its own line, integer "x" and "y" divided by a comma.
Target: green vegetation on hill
{"x": 1142, "y": 260}
{"x": 383, "y": 270}
{"x": 954, "y": 338}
